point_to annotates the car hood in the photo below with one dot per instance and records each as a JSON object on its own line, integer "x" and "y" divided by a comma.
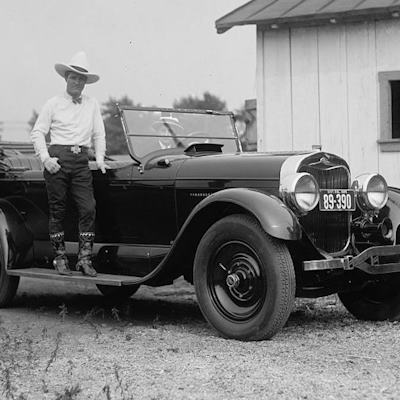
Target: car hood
{"x": 243, "y": 166}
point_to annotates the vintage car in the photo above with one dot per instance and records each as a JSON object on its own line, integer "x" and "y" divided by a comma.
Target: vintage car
{"x": 251, "y": 231}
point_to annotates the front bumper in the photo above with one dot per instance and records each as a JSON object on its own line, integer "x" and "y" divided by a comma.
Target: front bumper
{"x": 368, "y": 261}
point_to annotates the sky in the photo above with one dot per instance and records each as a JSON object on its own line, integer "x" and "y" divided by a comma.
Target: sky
{"x": 153, "y": 51}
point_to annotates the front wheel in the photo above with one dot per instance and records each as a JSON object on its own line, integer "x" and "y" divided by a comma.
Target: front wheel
{"x": 8, "y": 284}
{"x": 376, "y": 302}
{"x": 244, "y": 279}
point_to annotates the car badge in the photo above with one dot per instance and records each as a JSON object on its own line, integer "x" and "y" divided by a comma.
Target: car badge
{"x": 324, "y": 160}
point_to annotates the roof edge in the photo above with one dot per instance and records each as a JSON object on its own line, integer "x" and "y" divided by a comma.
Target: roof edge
{"x": 367, "y": 14}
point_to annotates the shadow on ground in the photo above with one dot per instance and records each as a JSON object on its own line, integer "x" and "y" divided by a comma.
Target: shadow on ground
{"x": 173, "y": 304}
{"x": 168, "y": 305}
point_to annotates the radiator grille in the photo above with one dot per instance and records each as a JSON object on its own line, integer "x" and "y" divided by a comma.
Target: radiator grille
{"x": 329, "y": 231}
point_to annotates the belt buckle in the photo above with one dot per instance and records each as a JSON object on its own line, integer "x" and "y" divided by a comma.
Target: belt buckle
{"x": 76, "y": 149}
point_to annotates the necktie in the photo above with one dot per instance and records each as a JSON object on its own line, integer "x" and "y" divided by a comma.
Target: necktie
{"x": 77, "y": 100}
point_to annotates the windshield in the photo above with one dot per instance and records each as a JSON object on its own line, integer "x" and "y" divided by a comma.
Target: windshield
{"x": 150, "y": 130}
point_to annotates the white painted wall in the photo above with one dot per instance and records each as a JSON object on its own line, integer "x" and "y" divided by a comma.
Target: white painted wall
{"x": 319, "y": 85}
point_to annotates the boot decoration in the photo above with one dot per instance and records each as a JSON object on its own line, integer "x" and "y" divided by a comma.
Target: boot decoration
{"x": 84, "y": 263}
{"x": 60, "y": 261}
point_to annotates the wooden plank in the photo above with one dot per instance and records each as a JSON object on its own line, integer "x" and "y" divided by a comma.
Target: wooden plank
{"x": 342, "y": 6}
{"x": 277, "y": 121}
{"x": 310, "y": 7}
{"x": 305, "y": 90}
{"x": 362, "y": 98}
{"x": 260, "y": 78}
{"x": 380, "y": 3}
{"x": 333, "y": 89}
{"x": 102, "y": 279}
{"x": 275, "y": 10}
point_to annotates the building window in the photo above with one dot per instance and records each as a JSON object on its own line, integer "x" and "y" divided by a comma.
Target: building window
{"x": 395, "y": 96}
{"x": 389, "y": 91}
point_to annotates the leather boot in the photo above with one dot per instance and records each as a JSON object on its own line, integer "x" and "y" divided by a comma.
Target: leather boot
{"x": 84, "y": 263}
{"x": 60, "y": 261}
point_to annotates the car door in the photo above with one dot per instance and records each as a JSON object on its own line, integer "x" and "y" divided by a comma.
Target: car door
{"x": 136, "y": 206}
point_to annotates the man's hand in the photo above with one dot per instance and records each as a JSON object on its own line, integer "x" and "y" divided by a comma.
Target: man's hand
{"x": 102, "y": 166}
{"x": 52, "y": 165}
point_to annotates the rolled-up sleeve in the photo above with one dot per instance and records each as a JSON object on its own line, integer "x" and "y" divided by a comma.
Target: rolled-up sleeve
{"x": 99, "y": 134}
{"x": 40, "y": 130}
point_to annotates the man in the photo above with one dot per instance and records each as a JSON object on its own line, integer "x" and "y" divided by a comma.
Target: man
{"x": 73, "y": 121}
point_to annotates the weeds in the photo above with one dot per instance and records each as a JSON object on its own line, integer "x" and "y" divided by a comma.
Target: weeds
{"x": 54, "y": 353}
{"x": 122, "y": 388}
{"x": 106, "y": 391}
{"x": 69, "y": 393}
{"x": 115, "y": 314}
{"x": 63, "y": 311}
{"x": 88, "y": 318}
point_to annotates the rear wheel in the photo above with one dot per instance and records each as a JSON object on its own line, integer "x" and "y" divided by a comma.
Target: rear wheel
{"x": 244, "y": 279}
{"x": 376, "y": 302}
{"x": 116, "y": 293}
{"x": 8, "y": 284}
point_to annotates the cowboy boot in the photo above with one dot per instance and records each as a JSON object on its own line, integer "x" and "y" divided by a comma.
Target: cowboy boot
{"x": 60, "y": 261}
{"x": 84, "y": 263}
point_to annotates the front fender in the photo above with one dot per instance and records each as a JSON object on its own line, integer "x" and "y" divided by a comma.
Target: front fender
{"x": 392, "y": 211}
{"x": 273, "y": 215}
{"x": 275, "y": 218}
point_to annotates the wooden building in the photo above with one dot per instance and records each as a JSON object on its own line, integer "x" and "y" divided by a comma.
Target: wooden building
{"x": 328, "y": 74}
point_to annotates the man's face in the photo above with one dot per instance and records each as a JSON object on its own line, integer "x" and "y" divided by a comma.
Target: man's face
{"x": 75, "y": 84}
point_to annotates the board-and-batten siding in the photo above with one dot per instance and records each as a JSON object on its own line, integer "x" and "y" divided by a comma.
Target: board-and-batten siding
{"x": 319, "y": 85}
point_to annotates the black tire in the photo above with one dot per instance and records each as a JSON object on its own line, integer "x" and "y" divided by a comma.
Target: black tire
{"x": 118, "y": 293}
{"x": 8, "y": 284}
{"x": 376, "y": 302}
{"x": 244, "y": 279}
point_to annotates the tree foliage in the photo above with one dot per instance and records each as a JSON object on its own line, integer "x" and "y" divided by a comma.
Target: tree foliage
{"x": 208, "y": 102}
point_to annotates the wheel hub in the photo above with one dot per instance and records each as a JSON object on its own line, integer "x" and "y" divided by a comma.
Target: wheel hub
{"x": 236, "y": 282}
{"x": 233, "y": 281}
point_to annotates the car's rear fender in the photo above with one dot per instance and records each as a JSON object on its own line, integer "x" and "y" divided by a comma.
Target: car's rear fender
{"x": 15, "y": 237}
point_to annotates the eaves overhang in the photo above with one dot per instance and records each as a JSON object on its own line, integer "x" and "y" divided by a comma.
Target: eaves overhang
{"x": 276, "y": 14}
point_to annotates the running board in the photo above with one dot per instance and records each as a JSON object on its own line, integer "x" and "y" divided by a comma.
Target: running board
{"x": 100, "y": 279}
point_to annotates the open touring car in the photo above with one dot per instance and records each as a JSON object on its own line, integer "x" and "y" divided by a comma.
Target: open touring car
{"x": 251, "y": 231}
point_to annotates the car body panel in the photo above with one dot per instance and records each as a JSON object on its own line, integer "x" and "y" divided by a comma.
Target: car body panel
{"x": 153, "y": 207}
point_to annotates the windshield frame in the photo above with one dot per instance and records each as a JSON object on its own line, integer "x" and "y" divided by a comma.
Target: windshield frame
{"x": 138, "y": 159}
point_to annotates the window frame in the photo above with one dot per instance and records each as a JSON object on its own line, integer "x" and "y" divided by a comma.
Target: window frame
{"x": 386, "y": 142}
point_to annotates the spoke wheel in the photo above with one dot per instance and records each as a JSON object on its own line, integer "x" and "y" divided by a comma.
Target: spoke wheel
{"x": 244, "y": 279}
{"x": 376, "y": 302}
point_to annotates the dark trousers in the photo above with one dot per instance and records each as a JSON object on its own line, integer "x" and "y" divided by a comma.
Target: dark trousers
{"x": 74, "y": 177}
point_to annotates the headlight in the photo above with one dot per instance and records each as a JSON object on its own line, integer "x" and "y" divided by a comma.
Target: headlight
{"x": 300, "y": 192}
{"x": 371, "y": 191}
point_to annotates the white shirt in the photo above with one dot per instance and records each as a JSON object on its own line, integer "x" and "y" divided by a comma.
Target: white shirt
{"x": 69, "y": 124}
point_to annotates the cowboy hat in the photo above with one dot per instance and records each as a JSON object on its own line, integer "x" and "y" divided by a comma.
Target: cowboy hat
{"x": 171, "y": 121}
{"x": 78, "y": 64}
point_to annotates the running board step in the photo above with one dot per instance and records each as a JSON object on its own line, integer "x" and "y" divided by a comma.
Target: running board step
{"x": 100, "y": 279}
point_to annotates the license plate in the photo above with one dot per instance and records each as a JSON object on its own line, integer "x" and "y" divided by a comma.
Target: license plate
{"x": 337, "y": 200}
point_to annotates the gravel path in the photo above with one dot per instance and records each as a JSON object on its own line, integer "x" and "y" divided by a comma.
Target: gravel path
{"x": 69, "y": 343}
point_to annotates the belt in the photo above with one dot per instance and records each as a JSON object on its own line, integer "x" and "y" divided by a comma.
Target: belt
{"x": 74, "y": 148}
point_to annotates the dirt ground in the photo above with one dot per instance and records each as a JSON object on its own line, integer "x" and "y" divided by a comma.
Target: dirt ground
{"x": 67, "y": 342}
